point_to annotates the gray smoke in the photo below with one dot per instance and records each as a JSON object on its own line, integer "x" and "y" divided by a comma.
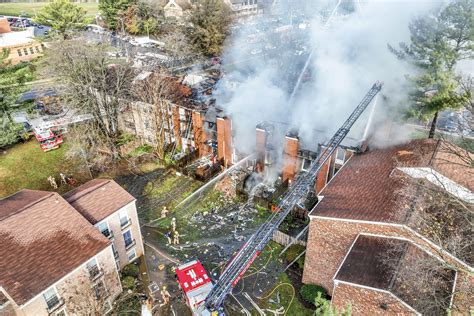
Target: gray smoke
{"x": 349, "y": 54}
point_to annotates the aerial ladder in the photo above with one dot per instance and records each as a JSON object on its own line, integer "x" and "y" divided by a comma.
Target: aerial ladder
{"x": 297, "y": 193}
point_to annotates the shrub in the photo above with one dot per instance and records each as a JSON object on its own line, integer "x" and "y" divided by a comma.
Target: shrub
{"x": 309, "y": 292}
{"x": 131, "y": 270}
{"x": 128, "y": 283}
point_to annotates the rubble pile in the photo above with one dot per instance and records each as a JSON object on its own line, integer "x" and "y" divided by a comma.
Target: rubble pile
{"x": 228, "y": 185}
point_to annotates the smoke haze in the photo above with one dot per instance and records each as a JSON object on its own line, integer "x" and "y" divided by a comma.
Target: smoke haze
{"x": 349, "y": 54}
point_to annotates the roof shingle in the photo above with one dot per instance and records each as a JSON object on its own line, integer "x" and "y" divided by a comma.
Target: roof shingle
{"x": 43, "y": 239}
{"x": 98, "y": 198}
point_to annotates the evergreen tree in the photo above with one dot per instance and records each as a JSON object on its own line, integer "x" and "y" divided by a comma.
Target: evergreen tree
{"x": 438, "y": 42}
{"x": 63, "y": 16}
{"x": 112, "y": 9}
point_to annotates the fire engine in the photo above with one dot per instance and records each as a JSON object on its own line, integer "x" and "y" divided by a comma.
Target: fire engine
{"x": 49, "y": 139}
{"x": 195, "y": 284}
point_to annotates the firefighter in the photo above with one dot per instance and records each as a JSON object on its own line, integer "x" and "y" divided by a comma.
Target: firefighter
{"x": 164, "y": 212}
{"x": 165, "y": 295}
{"x": 168, "y": 235}
{"x": 63, "y": 178}
{"x": 176, "y": 238}
{"x": 173, "y": 224}
{"x": 52, "y": 182}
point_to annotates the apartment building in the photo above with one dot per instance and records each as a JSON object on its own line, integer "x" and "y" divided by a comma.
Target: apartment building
{"x": 244, "y": 7}
{"x": 113, "y": 212}
{"x": 53, "y": 261}
{"x": 371, "y": 211}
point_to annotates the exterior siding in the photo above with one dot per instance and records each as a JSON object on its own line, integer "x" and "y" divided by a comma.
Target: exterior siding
{"x": 74, "y": 289}
{"x": 114, "y": 225}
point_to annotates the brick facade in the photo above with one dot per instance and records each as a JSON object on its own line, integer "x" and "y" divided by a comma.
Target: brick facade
{"x": 200, "y": 134}
{"x": 290, "y": 158}
{"x": 224, "y": 141}
{"x": 176, "y": 125}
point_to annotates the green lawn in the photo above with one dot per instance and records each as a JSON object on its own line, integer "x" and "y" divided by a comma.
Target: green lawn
{"x": 30, "y": 8}
{"x": 25, "y": 166}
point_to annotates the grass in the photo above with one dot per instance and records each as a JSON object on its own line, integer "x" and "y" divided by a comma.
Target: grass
{"x": 29, "y": 8}
{"x": 25, "y": 166}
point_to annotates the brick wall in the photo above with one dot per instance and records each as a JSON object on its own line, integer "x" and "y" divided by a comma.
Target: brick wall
{"x": 329, "y": 241}
{"x": 199, "y": 134}
{"x": 367, "y": 302}
{"x": 261, "y": 140}
{"x": 290, "y": 159}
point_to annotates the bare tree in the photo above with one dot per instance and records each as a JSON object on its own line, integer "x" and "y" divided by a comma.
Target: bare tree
{"x": 93, "y": 85}
{"x": 432, "y": 208}
{"x": 160, "y": 90}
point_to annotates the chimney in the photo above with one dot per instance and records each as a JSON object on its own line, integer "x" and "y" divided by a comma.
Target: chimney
{"x": 199, "y": 134}
{"x": 290, "y": 157}
{"x": 326, "y": 171}
{"x": 224, "y": 141}
{"x": 261, "y": 143}
{"x": 176, "y": 124}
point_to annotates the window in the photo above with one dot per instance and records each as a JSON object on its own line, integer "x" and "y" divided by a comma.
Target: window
{"x": 51, "y": 298}
{"x": 25, "y": 51}
{"x": 131, "y": 255}
{"x": 306, "y": 164}
{"x": 99, "y": 290}
{"x": 341, "y": 153}
{"x": 61, "y": 313}
{"x": 104, "y": 229}
{"x": 32, "y": 51}
{"x": 37, "y": 49}
{"x": 127, "y": 237}
{"x": 124, "y": 220}
{"x": 93, "y": 268}
{"x": 19, "y": 52}
{"x": 147, "y": 124}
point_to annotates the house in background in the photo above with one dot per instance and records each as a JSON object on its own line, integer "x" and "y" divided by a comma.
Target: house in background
{"x": 53, "y": 261}
{"x": 176, "y": 8}
{"x": 244, "y": 7}
{"x": 21, "y": 44}
{"x": 366, "y": 210}
{"x": 113, "y": 212}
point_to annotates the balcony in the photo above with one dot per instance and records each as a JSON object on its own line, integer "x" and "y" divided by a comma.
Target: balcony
{"x": 108, "y": 233}
{"x": 54, "y": 303}
{"x": 124, "y": 223}
{"x": 129, "y": 244}
{"x": 95, "y": 273}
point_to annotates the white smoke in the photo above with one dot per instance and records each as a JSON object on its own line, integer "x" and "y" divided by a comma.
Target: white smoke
{"x": 349, "y": 54}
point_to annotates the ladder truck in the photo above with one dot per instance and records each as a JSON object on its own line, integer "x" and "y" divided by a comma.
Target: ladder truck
{"x": 301, "y": 188}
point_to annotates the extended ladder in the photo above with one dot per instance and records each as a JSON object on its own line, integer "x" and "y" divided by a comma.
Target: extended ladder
{"x": 300, "y": 188}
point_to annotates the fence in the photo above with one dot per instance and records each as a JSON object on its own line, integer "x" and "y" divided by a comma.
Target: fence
{"x": 285, "y": 240}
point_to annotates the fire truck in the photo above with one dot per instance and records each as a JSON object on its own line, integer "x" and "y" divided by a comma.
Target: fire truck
{"x": 195, "y": 284}
{"x": 49, "y": 139}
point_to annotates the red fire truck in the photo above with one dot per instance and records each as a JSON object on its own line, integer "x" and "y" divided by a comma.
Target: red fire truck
{"x": 49, "y": 139}
{"x": 195, "y": 284}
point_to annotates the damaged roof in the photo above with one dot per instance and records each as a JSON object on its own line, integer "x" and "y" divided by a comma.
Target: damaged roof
{"x": 41, "y": 234}
{"x": 98, "y": 198}
{"x": 366, "y": 187}
{"x": 381, "y": 263}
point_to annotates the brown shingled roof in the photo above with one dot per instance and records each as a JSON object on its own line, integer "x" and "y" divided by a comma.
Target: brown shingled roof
{"x": 366, "y": 188}
{"x": 42, "y": 238}
{"x": 98, "y": 198}
{"x": 377, "y": 262}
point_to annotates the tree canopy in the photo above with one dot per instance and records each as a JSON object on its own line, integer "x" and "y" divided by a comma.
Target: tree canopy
{"x": 63, "y": 16}
{"x": 111, "y": 10}
{"x": 210, "y": 26}
{"x": 437, "y": 43}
